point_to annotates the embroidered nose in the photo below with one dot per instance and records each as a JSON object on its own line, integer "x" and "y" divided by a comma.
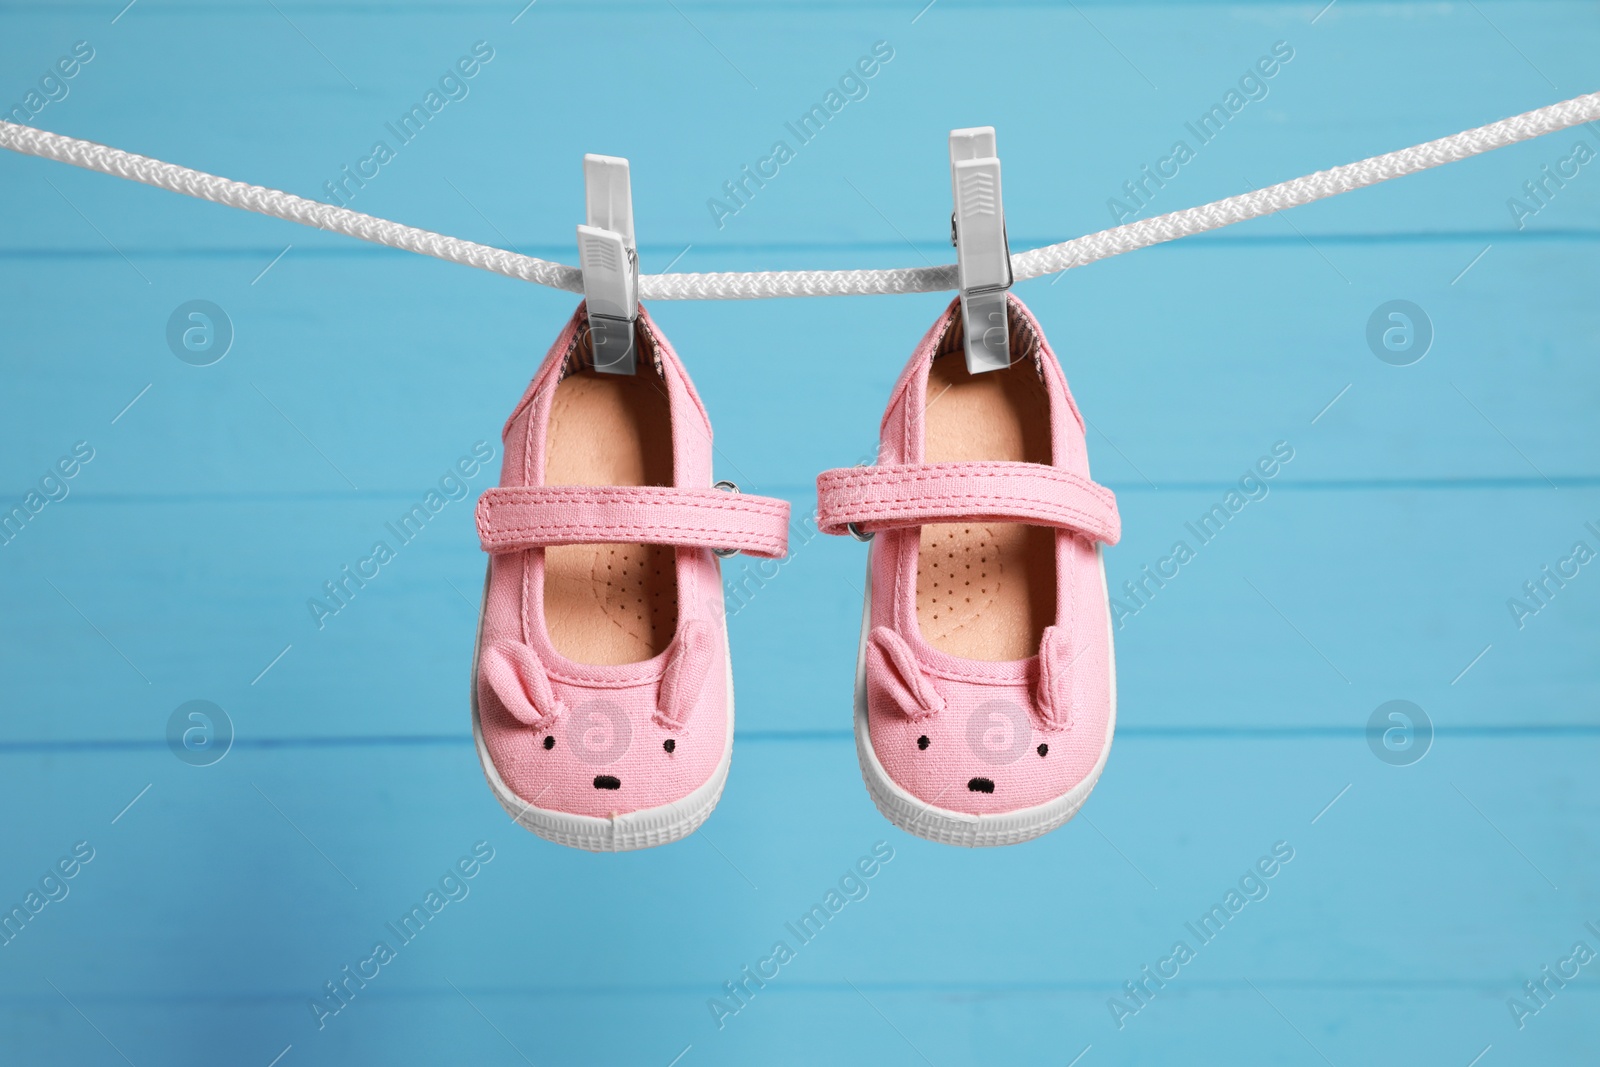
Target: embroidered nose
{"x": 981, "y": 785}
{"x": 606, "y": 781}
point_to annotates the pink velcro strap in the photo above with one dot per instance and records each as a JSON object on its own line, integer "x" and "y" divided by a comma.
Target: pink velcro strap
{"x": 885, "y": 497}
{"x": 512, "y": 518}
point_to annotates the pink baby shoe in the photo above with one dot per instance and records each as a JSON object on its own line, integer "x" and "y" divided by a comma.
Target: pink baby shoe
{"x": 602, "y": 700}
{"x": 985, "y": 687}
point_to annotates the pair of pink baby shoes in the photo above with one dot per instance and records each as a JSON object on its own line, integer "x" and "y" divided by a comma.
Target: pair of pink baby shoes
{"x": 985, "y": 695}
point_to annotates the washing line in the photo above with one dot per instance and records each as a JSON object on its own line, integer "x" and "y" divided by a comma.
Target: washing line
{"x": 1033, "y": 263}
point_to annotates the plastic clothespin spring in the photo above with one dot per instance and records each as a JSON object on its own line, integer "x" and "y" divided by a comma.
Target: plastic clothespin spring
{"x": 983, "y": 253}
{"x": 609, "y": 258}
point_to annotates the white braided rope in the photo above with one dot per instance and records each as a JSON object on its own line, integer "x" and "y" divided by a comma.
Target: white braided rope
{"x": 1318, "y": 186}
{"x": 281, "y": 205}
{"x": 761, "y": 285}
{"x": 764, "y": 284}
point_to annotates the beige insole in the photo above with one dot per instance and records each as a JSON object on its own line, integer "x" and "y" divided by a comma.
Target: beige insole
{"x": 986, "y": 590}
{"x": 610, "y": 603}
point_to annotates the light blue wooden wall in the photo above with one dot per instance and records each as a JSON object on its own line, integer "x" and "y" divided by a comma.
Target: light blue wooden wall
{"x": 218, "y": 904}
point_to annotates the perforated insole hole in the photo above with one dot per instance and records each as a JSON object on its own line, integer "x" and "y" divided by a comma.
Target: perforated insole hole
{"x": 950, "y": 544}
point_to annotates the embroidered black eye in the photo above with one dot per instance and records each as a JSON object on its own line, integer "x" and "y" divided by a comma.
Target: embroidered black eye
{"x": 670, "y": 745}
{"x": 549, "y": 742}
{"x": 1044, "y": 750}
{"x": 922, "y": 742}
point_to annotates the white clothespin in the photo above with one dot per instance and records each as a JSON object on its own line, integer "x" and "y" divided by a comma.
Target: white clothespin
{"x": 610, "y": 261}
{"x": 983, "y": 255}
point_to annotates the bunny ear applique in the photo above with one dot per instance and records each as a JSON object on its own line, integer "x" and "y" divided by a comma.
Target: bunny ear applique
{"x": 514, "y": 673}
{"x": 688, "y": 666}
{"x": 1054, "y": 695}
{"x": 894, "y": 670}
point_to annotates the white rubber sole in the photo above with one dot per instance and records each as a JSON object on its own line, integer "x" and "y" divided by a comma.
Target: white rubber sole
{"x": 645, "y": 828}
{"x": 916, "y": 816}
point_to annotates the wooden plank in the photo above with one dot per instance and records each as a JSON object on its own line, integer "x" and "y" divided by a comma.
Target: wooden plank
{"x": 544, "y": 928}
{"x": 1189, "y": 365}
{"x": 1084, "y": 103}
{"x": 1335, "y": 601}
{"x": 1420, "y": 500}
